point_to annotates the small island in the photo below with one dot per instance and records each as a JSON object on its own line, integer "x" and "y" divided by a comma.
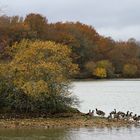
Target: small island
{"x": 65, "y": 120}
{"x": 73, "y": 119}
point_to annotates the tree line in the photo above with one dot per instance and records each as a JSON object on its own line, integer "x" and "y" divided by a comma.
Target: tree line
{"x": 97, "y": 56}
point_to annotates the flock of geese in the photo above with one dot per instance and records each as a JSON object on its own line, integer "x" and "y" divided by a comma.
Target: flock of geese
{"x": 128, "y": 116}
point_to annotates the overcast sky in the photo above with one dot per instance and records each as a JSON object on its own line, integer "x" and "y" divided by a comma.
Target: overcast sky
{"x": 119, "y": 19}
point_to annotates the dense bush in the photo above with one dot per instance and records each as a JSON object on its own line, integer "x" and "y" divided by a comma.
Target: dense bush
{"x": 36, "y": 78}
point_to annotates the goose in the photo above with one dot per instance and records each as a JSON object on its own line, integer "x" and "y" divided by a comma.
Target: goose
{"x": 135, "y": 117}
{"x": 100, "y": 113}
{"x": 138, "y": 119}
{"x": 90, "y": 113}
{"x": 109, "y": 117}
{"x": 113, "y": 112}
{"x": 121, "y": 114}
{"x": 127, "y": 114}
{"x": 116, "y": 116}
{"x": 130, "y": 118}
{"x": 130, "y": 115}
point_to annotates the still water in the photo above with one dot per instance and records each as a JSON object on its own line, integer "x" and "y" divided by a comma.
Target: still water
{"x": 109, "y": 95}
{"x": 105, "y": 95}
{"x": 130, "y": 133}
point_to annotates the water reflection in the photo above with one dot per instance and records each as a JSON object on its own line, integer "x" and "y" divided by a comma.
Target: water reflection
{"x": 34, "y": 134}
{"x": 112, "y": 133}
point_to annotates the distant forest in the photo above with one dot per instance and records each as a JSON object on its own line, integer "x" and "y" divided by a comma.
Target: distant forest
{"x": 97, "y": 56}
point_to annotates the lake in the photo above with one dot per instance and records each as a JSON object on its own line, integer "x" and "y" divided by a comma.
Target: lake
{"x": 109, "y": 95}
{"x": 122, "y": 95}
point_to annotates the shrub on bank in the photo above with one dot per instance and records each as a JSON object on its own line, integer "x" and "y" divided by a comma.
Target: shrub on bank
{"x": 36, "y": 78}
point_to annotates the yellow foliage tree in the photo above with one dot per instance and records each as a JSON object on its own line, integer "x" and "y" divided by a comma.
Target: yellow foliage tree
{"x": 100, "y": 73}
{"x": 37, "y": 64}
{"x": 107, "y": 65}
{"x": 39, "y": 68}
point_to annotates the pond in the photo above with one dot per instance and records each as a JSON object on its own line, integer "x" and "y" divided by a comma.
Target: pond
{"x": 122, "y": 95}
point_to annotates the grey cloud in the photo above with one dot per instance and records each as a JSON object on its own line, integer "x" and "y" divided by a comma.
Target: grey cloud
{"x": 121, "y": 34}
{"x": 117, "y": 18}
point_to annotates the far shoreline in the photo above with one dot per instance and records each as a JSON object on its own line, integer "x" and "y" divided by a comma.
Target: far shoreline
{"x": 112, "y": 79}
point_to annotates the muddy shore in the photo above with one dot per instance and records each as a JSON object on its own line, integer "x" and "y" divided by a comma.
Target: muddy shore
{"x": 63, "y": 121}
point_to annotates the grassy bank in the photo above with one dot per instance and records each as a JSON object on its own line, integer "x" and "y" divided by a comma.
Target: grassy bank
{"x": 66, "y": 120}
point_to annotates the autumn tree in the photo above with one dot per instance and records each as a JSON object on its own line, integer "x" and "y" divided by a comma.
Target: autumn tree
{"x": 79, "y": 37}
{"x": 100, "y": 73}
{"x": 107, "y": 65}
{"x": 130, "y": 70}
{"x": 90, "y": 68}
{"x": 39, "y": 72}
{"x": 13, "y": 30}
{"x": 37, "y": 24}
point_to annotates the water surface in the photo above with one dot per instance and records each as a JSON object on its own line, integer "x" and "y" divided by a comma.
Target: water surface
{"x": 127, "y": 133}
{"x": 109, "y": 95}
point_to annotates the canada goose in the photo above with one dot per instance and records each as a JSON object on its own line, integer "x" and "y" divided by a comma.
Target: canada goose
{"x": 113, "y": 112}
{"x": 127, "y": 114}
{"x": 135, "y": 117}
{"x": 109, "y": 117}
{"x": 90, "y": 113}
{"x": 116, "y": 116}
{"x": 121, "y": 114}
{"x": 100, "y": 113}
{"x": 130, "y": 115}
